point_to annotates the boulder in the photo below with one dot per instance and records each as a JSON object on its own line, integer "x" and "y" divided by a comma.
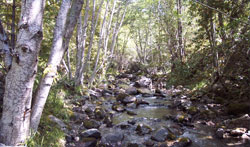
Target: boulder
{"x": 129, "y": 99}
{"x": 160, "y": 135}
{"x": 238, "y": 132}
{"x": 89, "y": 124}
{"x": 131, "y": 91}
{"x": 112, "y": 139}
{"x": 183, "y": 142}
{"x": 145, "y": 92}
{"x": 118, "y": 108}
{"x": 91, "y": 133}
{"x": 143, "y": 129}
{"x": 87, "y": 142}
{"x": 143, "y": 82}
{"x": 121, "y": 96}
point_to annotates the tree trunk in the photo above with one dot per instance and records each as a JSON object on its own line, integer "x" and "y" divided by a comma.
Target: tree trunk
{"x": 179, "y": 31}
{"x": 115, "y": 33}
{"x": 5, "y": 47}
{"x": 93, "y": 29}
{"x": 15, "y": 122}
{"x": 68, "y": 64}
{"x": 81, "y": 41}
{"x": 99, "y": 46}
{"x": 63, "y": 31}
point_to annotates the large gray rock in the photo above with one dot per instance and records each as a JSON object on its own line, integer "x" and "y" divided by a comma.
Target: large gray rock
{"x": 91, "y": 133}
{"x": 143, "y": 82}
{"x": 112, "y": 139}
{"x": 160, "y": 135}
{"x": 131, "y": 91}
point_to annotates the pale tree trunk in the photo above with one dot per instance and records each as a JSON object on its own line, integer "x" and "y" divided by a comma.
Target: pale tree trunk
{"x": 92, "y": 34}
{"x": 106, "y": 38}
{"x": 15, "y": 122}
{"x": 68, "y": 64}
{"x": 5, "y": 47}
{"x": 180, "y": 47}
{"x": 99, "y": 46}
{"x": 13, "y": 34}
{"x": 115, "y": 33}
{"x": 63, "y": 31}
{"x": 81, "y": 41}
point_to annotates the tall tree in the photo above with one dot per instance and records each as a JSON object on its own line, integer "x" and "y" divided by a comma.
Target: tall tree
{"x": 15, "y": 121}
{"x": 80, "y": 43}
{"x": 65, "y": 24}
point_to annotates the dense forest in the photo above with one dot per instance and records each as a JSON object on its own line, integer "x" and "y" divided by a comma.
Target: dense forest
{"x": 125, "y": 73}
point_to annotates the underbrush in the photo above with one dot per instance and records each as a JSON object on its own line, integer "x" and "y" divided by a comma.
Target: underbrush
{"x": 49, "y": 134}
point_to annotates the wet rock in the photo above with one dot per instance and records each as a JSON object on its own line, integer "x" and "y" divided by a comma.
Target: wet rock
{"x": 149, "y": 143}
{"x": 245, "y": 136}
{"x": 143, "y": 82}
{"x": 112, "y": 139}
{"x": 99, "y": 113}
{"x": 181, "y": 118}
{"x": 143, "y": 129}
{"x": 160, "y": 135}
{"x": 183, "y": 142}
{"x": 131, "y": 91}
{"x": 129, "y": 112}
{"x": 132, "y": 122}
{"x": 87, "y": 142}
{"x": 90, "y": 111}
{"x": 91, "y": 133}
{"x": 118, "y": 108}
{"x": 121, "y": 96}
{"x": 89, "y": 124}
{"x": 124, "y": 125}
{"x": 142, "y": 102}
{"x": 129, "y": 99}
{"x": 145, "y": 92}
{"x": 220, "y": 133}
{"x": 108, "y": 121}
{"x": 238, "y": 132}
{"x": 132, "y": 105}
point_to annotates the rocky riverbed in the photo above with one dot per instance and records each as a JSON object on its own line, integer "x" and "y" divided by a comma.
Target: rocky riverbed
{"x": 131, "y": 112}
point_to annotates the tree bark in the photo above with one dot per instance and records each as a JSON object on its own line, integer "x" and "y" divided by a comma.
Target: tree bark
{"x": 81, "y": 41}
{"x": 93, "y": 29}
{"x": 63, "y": 31}
{"x": 15, "y": 121}
{"x": 115, "y": 33}
{"x": 5, "y": 48}
{"x": 181, "y": 51}
{"x": 99, "y": 46}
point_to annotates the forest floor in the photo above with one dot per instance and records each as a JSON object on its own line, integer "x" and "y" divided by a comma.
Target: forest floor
{"x": 130, "y": 111}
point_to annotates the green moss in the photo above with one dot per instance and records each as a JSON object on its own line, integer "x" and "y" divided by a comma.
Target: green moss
{"x": 49, "y": 134}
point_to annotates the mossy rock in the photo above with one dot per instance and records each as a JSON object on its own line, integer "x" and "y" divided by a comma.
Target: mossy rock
{"x": 238, "y": 108}
{"x": 89, "y": 124}
{"x": 192, "y": 110}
